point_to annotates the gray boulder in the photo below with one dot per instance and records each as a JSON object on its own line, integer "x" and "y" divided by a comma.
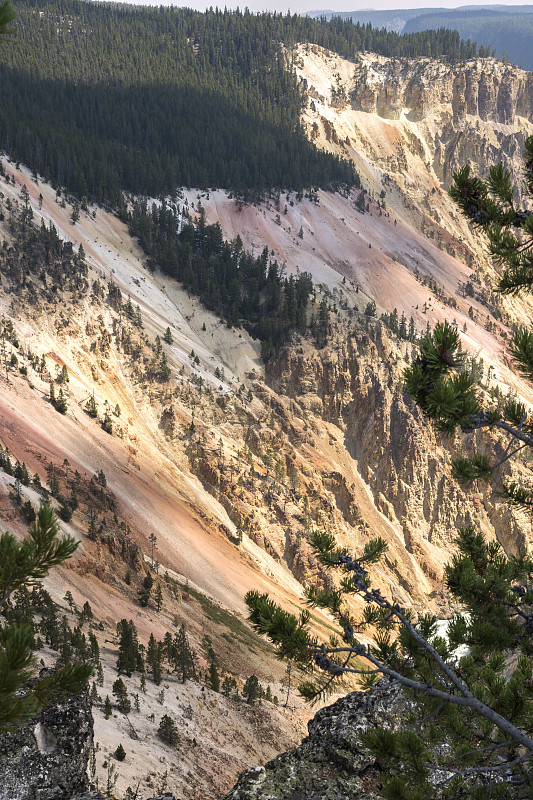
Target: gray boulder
{"x": 330, "y": 763}
{"x": 47, "y": 759}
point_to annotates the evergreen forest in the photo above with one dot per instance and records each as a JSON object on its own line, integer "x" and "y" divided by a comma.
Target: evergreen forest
{"x": 248, "y": 291}
{"x": 101, "y": 98}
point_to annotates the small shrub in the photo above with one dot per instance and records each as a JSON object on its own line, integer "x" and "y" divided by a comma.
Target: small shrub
{"x": 168, "y": 731}
{"x": 120, "y": 753}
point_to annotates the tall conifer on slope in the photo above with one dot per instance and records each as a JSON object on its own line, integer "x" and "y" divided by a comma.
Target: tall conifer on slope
{"x": 25, "y": 564}
{"x": 128, "y": 648}
{"x": 7, "y": 15}
{"x": 184, "y": 657}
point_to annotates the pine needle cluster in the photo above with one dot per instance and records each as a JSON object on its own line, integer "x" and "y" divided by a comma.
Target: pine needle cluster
{"x": 438, "y": 380}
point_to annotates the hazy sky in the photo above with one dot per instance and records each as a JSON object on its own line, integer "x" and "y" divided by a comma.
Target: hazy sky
{"x": 301, "y": 6}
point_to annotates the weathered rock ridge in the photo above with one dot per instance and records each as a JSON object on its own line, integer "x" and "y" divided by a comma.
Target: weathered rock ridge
{"x": 485, "y": 88}
{"x": 356, "y": 385}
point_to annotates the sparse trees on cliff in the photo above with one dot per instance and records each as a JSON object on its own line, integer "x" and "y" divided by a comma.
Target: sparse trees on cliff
{"x": 24, "y": 564}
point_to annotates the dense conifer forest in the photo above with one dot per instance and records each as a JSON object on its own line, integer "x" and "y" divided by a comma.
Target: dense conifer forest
{"x": 101, "y": 97}
{"x": 244, "y": 290}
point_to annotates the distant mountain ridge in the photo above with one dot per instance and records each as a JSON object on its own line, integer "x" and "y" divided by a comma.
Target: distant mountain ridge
{"x": 386, "y": 18}
{"x": 507, "y": 29}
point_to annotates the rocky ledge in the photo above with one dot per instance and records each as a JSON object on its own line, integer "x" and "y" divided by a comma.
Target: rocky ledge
{"x": 47, "y": 759}
{"x": 330, "y": 764}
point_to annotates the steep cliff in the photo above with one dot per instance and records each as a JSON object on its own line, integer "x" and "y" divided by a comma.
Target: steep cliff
{"x": 409, "y": 124}
{"x": 232, "y": 464}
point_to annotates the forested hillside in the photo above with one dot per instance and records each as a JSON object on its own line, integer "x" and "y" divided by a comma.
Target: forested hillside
{"x": 247, "y": 291}
{"x": 101, "y": 98}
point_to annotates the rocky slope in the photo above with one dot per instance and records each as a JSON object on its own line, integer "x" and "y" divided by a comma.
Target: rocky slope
{"x": 408, "y": 125}
{"x": 229, "y": 464}
{"x": 48, "y": 758}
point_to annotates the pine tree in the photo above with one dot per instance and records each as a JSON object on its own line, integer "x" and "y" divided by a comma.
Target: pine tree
{"x": 92, "y": 531}
{"x": 91, "y": 408}
{"x": 24, "y": 564}
{"x": 107, "y": 422}
{"x": 439, "y": 379}
{"x": 228, "y": 685}
{"x": 184, "y": 659}
{"x": 214, "y": 677}
{"x": 168, "y": 731}
{"x": 128, "y": 648}
{"x": 154, "y": 659}
{"x": 121, "y": 696}
{"x": 475, "y": 717}
{"x": 168, "y": 336}
{"x": 158, "y": 597}
{"x": 95, "y": 648}
{"x": 108, "y": 710}
{"x": 120, "y": 753}
{"x": 251, "y": 690}
{"x": 63, "y": 376}
{"x": 144, "y": 593}
{"x": 70, "y": 600}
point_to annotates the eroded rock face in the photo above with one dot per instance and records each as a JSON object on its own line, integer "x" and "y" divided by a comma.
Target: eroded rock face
{"x": 330, "y": 763}
{"x": 411, "y": 123}
{"x": 358, "y": 386}
{"x": 483, "y": 87}
{"x": 47, "y": 759}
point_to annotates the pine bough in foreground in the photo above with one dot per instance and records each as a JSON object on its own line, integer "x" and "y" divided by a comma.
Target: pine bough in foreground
{"x": 472, "y": 737}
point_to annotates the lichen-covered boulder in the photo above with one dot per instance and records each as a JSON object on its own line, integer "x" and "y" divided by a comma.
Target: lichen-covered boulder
{"x": 330, "y": 764}
{"x": 47, "y": 759}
